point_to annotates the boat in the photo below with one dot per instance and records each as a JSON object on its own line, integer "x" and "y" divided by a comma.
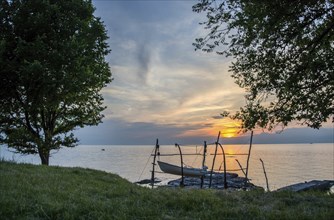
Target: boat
{"x": 320, "y": 185}
{"x": 176, "y": 170}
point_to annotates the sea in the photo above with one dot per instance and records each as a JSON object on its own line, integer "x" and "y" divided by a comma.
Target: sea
{"x": 284, "y": 164}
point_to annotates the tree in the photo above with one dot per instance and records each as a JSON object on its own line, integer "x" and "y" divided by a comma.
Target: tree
{"x": 283, "y": 54}
{"x": 52, "y": 69}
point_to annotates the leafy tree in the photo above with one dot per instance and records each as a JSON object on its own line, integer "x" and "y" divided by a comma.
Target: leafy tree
{"x": 52, "y": 69}
{"x": 283, "y": 54}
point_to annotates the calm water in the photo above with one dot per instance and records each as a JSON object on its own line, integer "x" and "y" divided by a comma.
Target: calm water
{"x": 284, "y": 163}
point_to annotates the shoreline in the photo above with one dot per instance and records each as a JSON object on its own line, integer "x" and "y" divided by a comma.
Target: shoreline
{"x": 47, "y": 192}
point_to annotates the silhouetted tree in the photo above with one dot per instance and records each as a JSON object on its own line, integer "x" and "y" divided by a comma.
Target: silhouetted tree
{"x": 52, "y": 69}
{"x": 283, "y": 56}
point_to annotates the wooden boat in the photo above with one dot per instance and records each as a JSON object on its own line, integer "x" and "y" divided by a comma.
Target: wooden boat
{"x": 176, "y": 170}
{"x": 320, "y": 185}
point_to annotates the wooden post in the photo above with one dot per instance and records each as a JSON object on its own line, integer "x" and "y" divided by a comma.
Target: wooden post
{"x": 225, "y": 181}
{"x": 242, "y": 169}
{"x": 214, "y": 158}
{"x": 203, "y": 163}
{"x": 182, "y": 179}
{"x": 265, "y": 174}
{"x": 249, "y": 152}
{"x": 153, "y": 164}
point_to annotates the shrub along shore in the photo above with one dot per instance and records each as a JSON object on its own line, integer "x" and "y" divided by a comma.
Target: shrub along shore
{"x": 41, "y": 192}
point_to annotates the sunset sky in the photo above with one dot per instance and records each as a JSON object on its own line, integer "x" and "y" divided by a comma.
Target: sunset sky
{"x": 162, "y": 88}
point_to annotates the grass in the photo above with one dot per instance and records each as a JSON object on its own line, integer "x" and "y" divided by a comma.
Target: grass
{"x": 41, "y": 192}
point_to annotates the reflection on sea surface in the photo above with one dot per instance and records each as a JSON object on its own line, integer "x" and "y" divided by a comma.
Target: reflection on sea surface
{"x": 285, "y": 163}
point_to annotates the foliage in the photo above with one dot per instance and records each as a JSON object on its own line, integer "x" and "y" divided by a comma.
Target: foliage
{"x": 41, "y": 192}
{"x": 283, "y": 55}
{"x": 52, "y": 68}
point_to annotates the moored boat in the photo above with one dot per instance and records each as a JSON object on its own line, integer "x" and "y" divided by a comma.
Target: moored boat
{"x": 320, "y": 185}
{"x": 176, "y": 170}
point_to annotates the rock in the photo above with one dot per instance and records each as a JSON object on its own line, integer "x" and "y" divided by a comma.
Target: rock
{"x": 233, "y": 182}
{"x": 147, "y": 181}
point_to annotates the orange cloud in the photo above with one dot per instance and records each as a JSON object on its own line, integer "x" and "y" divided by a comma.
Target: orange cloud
{"x": 229, "y": 128}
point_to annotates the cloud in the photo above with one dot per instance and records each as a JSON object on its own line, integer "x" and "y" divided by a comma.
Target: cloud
{"x": 159, "y": 78}
{"x": 144, "y": 59}
{"x": 161, "y": 86}
{"x": 116, "y": 131}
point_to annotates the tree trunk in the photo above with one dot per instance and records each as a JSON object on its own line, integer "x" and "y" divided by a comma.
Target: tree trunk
{"x": 44, "y": 154}
{"x": 45, "y": 161}
{"x": 44, "y": 149}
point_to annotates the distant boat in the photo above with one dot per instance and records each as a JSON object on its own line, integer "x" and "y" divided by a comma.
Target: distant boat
{"x": 176, "y": 170}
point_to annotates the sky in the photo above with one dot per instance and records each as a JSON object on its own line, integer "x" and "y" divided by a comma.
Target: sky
{"x": 162, "y": 87}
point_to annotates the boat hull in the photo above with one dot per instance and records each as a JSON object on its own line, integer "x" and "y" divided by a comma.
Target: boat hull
{"x": 176, "y": 170}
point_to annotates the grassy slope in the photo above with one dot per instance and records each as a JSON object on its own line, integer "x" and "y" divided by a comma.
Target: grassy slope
{"x": 40, "y": 192}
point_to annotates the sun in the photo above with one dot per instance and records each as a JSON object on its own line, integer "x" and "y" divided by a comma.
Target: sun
{"x": 228, "y": 128}
{"x": 229, "y": 135}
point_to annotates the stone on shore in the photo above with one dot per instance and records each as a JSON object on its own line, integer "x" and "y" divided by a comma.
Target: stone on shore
{"x": 234, "y": 182}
